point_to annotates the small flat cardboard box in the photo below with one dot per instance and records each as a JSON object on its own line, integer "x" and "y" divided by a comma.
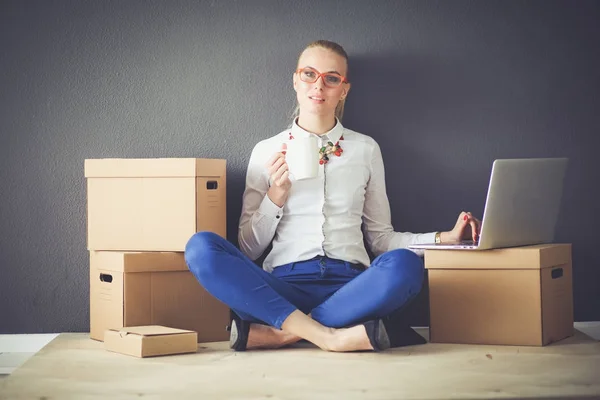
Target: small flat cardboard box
{"x": 153, "y": 204}
{"x": 150, "y": 341}
{"x": 512, "y": 296}
{"x": 151, "y": 288}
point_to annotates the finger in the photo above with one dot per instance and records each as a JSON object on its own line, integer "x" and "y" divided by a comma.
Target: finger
{"x": 464, "y": 218}
{"x": 276, "y": 175}
{"x": 284, "y": 178}
{"x": 474, "y": 230}
{"x": 271, "y": 160}
{"x": 279, "y": 173}
{"x": 475, "y": 221}
{"x": 283, "y": 148}
{"x": 471, "y": 221}
{"x": 276, "y": 165}
{"x": 461, "y": 222}
{"x": 274, "y": 158}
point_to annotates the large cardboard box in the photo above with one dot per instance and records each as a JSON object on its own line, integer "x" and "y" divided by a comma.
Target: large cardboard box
{"x": 513, "y": 296}
{"x": 151, "y": 288}
{"x": 153, "y": 204}
{"x": 150, "y": 341}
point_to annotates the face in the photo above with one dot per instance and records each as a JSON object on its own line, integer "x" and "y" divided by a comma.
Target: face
{"x": 316, "y": 98}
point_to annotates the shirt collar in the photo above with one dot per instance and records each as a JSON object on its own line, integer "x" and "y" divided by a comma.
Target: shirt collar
{"x": 334, "y": 134}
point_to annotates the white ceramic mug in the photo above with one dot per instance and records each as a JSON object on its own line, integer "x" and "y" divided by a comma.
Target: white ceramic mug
{"x": 302, "y": 157}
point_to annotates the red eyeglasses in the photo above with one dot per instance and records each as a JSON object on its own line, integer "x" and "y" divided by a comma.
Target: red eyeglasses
{"x": 330, "y": 79}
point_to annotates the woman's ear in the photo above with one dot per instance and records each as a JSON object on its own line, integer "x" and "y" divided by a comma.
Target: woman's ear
{"x": 345, "y": 92}
{"x": 295, "y": 81}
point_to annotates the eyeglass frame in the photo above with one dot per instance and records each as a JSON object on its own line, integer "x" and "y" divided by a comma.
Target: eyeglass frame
{"x": 322, "y": 76}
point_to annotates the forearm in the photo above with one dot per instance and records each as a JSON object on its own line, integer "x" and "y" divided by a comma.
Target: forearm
{"x": 257, "y": 228}
{"x": 381, "y": 242}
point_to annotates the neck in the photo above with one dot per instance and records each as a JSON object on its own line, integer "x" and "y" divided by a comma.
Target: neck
{"x": 316, "y": 124}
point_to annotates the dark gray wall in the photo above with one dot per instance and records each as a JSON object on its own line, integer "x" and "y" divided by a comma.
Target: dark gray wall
{"x": 445, "y": 87}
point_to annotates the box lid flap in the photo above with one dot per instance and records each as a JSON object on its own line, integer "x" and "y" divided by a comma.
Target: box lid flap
{"x": 152, "y": 261}
{"x": 154, "y": 167}
{"x": 150, "y": 330}
{"x": 525, "y": 257}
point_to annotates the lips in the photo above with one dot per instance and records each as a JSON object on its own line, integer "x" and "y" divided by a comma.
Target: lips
{"x": 316, "y": 98}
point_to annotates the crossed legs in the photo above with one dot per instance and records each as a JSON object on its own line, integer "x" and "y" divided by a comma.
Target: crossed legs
{"x": 256, "y": 295}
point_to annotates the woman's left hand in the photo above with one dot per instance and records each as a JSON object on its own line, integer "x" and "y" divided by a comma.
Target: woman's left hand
{"x": 466, "y": 227}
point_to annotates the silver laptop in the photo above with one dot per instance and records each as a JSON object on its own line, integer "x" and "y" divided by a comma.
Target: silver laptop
{"x": 522, "y": 205}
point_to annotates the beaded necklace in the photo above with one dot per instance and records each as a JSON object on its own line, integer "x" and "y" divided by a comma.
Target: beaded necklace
{"x": 327, "y": 150}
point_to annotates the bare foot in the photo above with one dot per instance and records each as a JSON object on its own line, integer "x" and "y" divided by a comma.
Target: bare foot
{"x": 267, "y": 337}
{"x": 348, "y": 339}
{"x": 330, "y": 339}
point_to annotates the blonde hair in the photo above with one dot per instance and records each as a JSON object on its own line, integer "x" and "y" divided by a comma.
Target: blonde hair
{"x": 337, "y": 49}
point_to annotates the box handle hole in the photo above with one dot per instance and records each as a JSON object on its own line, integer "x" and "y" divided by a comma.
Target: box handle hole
{"x": 106, "y": 278}
{"x": 557, "y": 273}
{"x": 212, "y": 185}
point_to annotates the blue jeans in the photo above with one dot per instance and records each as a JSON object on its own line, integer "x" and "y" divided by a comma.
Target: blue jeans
{"x": 335, "y": 293}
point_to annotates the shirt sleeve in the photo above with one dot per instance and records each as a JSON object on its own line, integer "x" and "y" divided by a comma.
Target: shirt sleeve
{"x": 379, "y": 233}
{"x": 260, "y": 216}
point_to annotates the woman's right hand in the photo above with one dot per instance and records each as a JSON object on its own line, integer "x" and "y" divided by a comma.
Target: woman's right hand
{"x": 279, "y": 173}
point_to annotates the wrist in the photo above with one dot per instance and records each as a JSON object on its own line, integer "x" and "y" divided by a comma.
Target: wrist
{"x": 277, "y": 197}
{"x": 445, "y": 237}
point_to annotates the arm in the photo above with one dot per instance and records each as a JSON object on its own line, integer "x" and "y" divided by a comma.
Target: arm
{"x": 379, "y": 233}
{"x": 260, "y": 216}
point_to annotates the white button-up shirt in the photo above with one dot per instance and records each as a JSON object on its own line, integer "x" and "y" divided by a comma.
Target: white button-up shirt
{"x": 322, "y": 216}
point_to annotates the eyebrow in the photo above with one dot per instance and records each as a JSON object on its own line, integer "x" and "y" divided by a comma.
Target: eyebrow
{"x": 328, "y": 72}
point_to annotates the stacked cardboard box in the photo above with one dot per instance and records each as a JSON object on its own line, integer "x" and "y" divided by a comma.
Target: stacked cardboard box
{"x": 141, "y": 213}
{"x": 512, "y": 296}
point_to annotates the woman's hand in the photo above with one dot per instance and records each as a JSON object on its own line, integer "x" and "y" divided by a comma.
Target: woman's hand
{"x": 279, "y": 173}
{"x": 466, "y": 227}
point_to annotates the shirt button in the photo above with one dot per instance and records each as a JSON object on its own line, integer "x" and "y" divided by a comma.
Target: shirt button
{"x": 277, "y": 216}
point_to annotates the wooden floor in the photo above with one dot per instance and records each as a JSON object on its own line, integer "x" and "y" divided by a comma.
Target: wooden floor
{"x": 73, "y": 366}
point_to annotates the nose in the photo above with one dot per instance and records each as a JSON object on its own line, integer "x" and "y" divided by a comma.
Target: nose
{"x": 320, "y": 82}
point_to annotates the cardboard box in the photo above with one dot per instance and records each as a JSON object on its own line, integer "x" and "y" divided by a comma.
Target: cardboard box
{"x": 149, "y": 341}
{"x": 513, "y": 296}
{"x": 151, "y": 288}
{"x": 153, "y": 204}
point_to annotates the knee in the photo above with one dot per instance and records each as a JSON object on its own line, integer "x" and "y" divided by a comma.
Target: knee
{"x": 409, "y": 269}
{"x": 199, "y": 252}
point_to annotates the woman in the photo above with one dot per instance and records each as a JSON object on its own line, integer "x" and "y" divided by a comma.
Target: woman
{"x": 317, "y": 282}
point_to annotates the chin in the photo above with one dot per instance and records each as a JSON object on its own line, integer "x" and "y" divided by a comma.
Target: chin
{"x": 317, "y": 110}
